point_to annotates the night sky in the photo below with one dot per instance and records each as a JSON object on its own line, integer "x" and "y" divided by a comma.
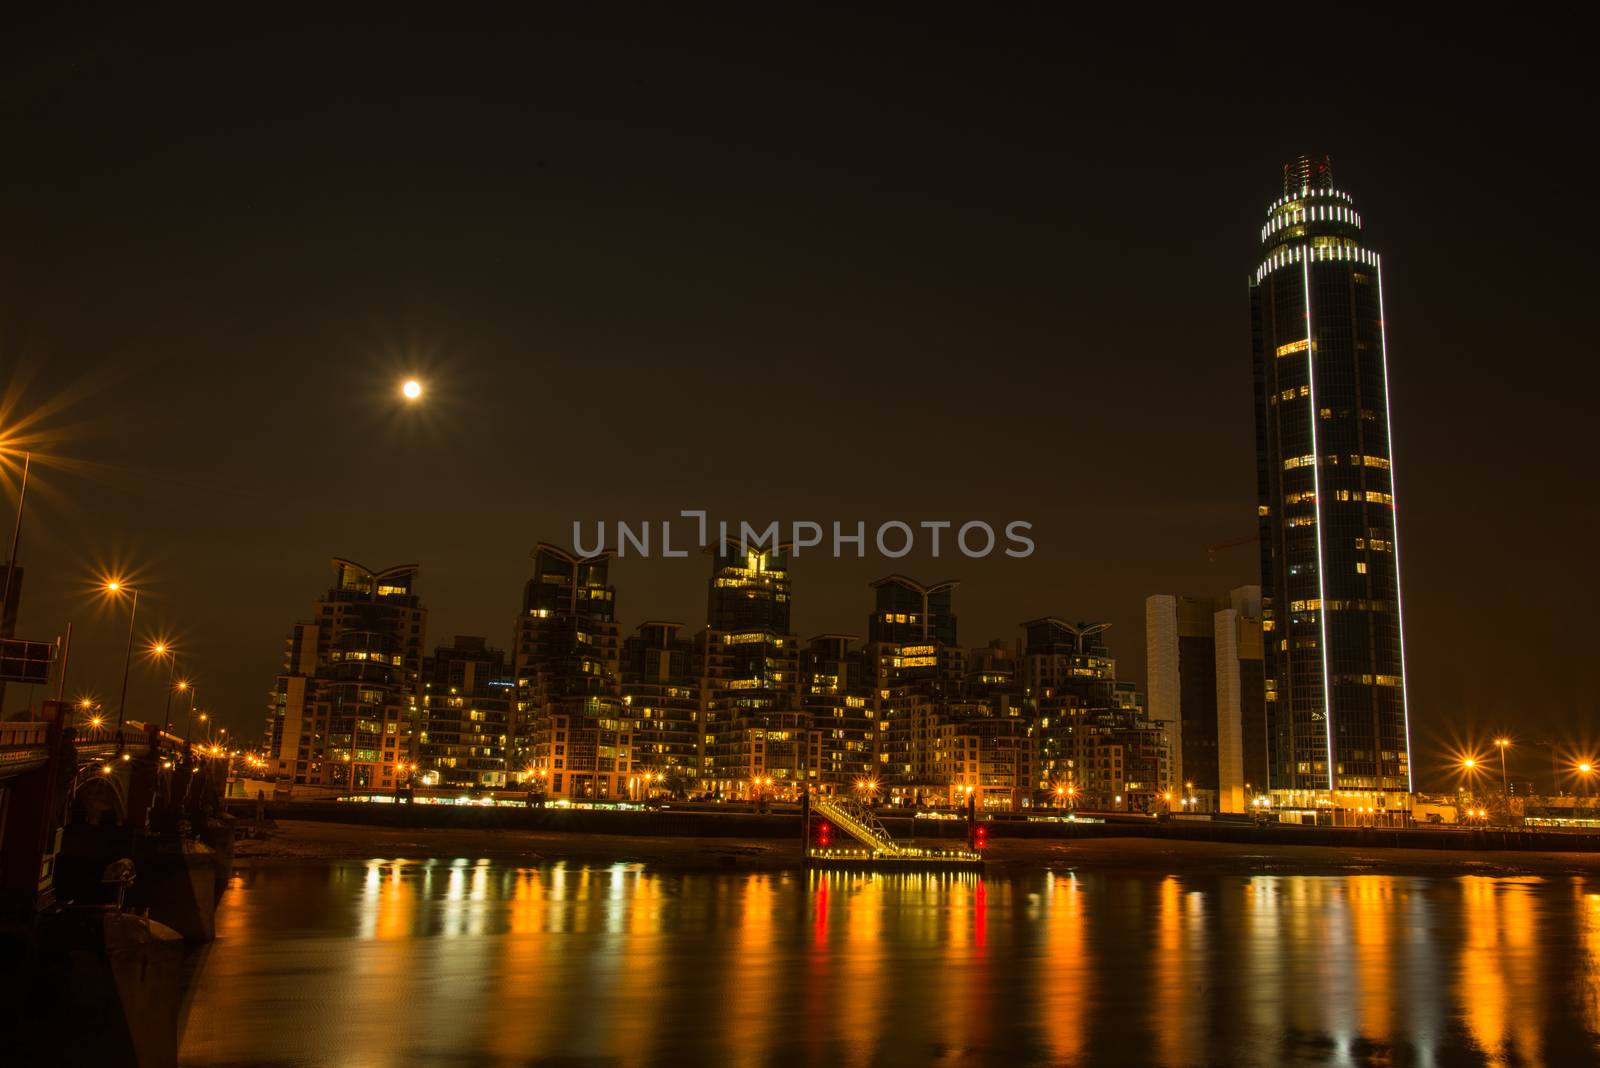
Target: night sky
{"x": 797, "y": 265}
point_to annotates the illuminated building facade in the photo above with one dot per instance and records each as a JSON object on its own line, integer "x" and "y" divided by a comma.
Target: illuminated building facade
{"x": 572, "y": 735}
{"x": 1121, "y": 762}
{"x": 1092, "y": 732}
{"x": 1207, "y": 684}
{"x": 755, "y": 728}
{"x": 464, "y": 724}
{"x": 1070, "y": 659}
{"x": 983, "y": 741}
{"x": 1331, "y": 608}
{"x": 342, "y": 712}
{"x": 917, "y": 667}
{"x": 661, "y": 692}
{"x": 837, "y": 696}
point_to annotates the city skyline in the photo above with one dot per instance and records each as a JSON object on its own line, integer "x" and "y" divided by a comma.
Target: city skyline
{"x": 797, "y": 533}
{"x": 1025, "y": 362}
{"x": 739, "y": 706}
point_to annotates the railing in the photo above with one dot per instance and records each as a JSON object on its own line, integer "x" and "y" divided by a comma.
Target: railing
{"x": 908, "y": 856}
{"x": 858, "y": 821}
{"x": 23, "y": 735}
{"x": 131, "y": 738}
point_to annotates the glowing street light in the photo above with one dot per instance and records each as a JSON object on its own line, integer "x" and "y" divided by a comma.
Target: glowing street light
{"x": 159, "y": 649}
{"x": 116, "y": 587}
{"x": 89, "y": 712}
{"x": 1503, "y": 744}
{"x": 188, "y": 724}
{"x": 411, "y": 389}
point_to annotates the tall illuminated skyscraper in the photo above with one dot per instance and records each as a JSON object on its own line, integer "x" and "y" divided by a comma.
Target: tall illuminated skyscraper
{"x": 1330, "y": 565}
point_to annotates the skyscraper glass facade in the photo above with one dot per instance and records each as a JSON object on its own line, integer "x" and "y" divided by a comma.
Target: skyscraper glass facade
{"x": 1331, "y": 610}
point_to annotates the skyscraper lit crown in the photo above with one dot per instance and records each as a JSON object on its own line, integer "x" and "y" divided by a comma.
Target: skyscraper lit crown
{"x": 1307, "y": 173}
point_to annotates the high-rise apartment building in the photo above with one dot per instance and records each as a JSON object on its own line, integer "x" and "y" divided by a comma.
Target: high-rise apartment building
{"x": 661, "y": 693}
{"x": 464, "y": 719}
{"x": 836, "y": 693}
{"x": 982, "y": 740}
{"x": 572, "y": 735}
{"x": 1092, "y": 734}
{"x": 1331, "y": 603}
{"x": 755, "y": 728}
{"x": 342, "y": 712}
{"x": 917, "y": 668}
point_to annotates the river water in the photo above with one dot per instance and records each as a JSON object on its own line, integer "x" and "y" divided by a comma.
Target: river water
{"x": 468, "y": 962}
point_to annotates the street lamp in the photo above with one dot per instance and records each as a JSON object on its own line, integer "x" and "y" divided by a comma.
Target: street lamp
{"x": 116, "y": 587}
{"x": 1503, "y": 744}
{"x": 411, "y": 390}
{"x": 159, "y": 650}
{"x": 188, "y": 724}
{"x": 89, "y": 712}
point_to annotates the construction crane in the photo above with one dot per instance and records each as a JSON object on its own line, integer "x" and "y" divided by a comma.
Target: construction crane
{"x": 1212, "y": 550}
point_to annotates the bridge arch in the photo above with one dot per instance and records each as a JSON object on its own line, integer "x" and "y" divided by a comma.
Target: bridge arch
{"x": 97, "y": 798}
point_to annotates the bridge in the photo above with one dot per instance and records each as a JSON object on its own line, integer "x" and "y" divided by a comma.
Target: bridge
{"x": 111, "y": 858}
{"x": 45, "y": 760}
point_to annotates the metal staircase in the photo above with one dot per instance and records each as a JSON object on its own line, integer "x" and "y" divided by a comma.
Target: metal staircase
{"x": 856, "y": 820}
